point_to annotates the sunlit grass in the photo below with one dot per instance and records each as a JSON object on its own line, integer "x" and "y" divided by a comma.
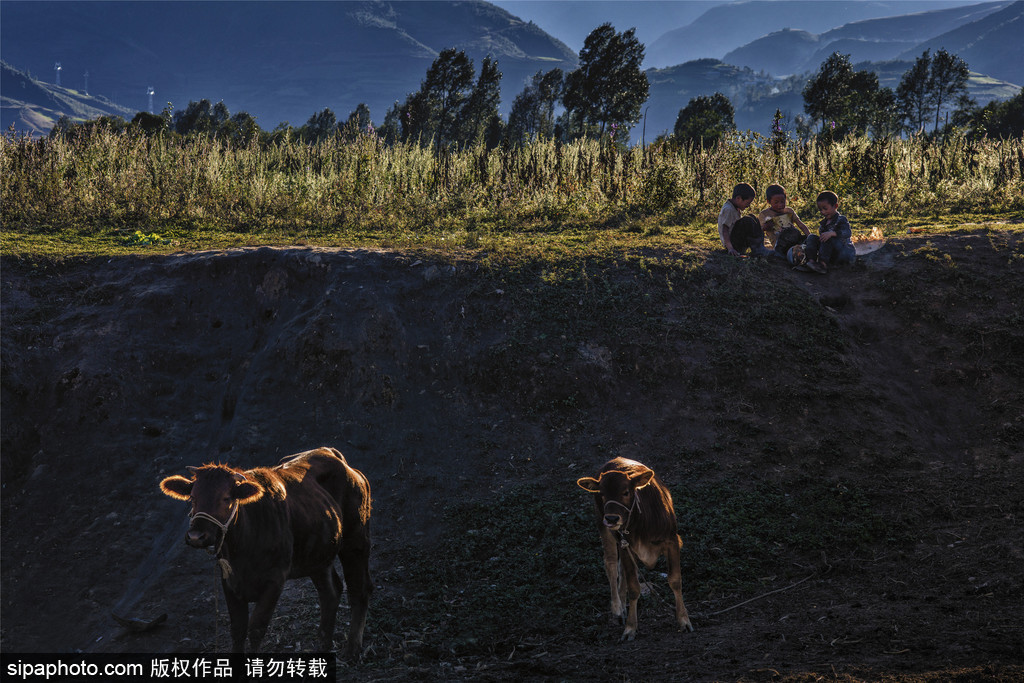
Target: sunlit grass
{"x": 89, "y": 193}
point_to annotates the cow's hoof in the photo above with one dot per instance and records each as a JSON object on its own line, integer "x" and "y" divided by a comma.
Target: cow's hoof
{"x": 686, "y": 626}
{"x": 627, "y": 636}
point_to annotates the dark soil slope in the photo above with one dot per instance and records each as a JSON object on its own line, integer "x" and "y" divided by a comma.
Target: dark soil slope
{"x": 845, "y": 452}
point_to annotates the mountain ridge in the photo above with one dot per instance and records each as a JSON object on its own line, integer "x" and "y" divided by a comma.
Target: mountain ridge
{"x": 33, "y": 106}
{"x": 388, "y": 47}
{"x": 897, "y": 37}
{"x": 722, "y": 28}
{"x": 324, "y": 55}
{"x": 971, "y": 43}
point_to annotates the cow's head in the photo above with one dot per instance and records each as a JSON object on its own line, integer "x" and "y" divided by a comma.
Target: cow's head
{"x": 215, "y": 492}
{"x": 616, "y": 493}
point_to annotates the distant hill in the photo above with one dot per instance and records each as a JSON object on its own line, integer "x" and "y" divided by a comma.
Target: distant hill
{"x": 981, "y": 87}
{"x": 673, "y": 87}
{"x": 779, "y": 53}
{"x": 280, "y": 61}
{"x": 908, "y": 28}
{"x": 726, "y": 27}
{"x": 32, "y": 106}
{"x": 991, "y": 45}
{"x": 881, "y": 39}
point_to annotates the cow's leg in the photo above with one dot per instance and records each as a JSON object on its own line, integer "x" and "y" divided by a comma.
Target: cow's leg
{"x": 355, "y": 563}
{"x": 328, "y": 590}
{"x": 675, "y": 582}
{"x": 238, "y": 611}
{"x": 630, "y": 576}
{"x": 611, "y": 569}
{"x": 262, "y": 612}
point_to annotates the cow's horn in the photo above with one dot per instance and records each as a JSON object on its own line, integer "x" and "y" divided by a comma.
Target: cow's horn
{"x": 192, "y": 470}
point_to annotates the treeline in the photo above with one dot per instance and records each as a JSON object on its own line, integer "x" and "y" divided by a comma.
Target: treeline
{"x": 456, "y": 107}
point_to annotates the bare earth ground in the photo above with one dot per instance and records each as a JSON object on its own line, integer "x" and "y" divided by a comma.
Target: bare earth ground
{"x": 447, "y": 384}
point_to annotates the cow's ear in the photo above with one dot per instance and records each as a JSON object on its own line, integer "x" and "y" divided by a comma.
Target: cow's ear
{"x": 177, "y": 487}
{"x": 247, "y": 491}
{"x": 589, "y": 484}
{"x": 642, "y": 479}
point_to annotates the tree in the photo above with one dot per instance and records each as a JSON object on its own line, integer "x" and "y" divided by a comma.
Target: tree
{"x": 480, "y": 112}
{"x": 434, "y": 111}
{"x": 533, "y": 110}
{"x": 996, "y": 119}
{"x": 930, "y": 84}
{"x": 391, "y": 129}
{"x": 946, "y": 80}
{"x": 196, "y": 118}
{"x": 1005, "y": 119}
{"x": 320, "y": 126}
{"x": 705, "y": 119}
{"x": 912, "y": 93}
{"x": 885, "y": 121}
{"x": 150, "y": 124}
{"x": 242, "y": 128}
{"x": 826, "y": 93}
{"x": 358, "y": 122}
{"x": 219, "y": 115}
{"x": 844, "y": 99}
{"x": 608, "y": 88}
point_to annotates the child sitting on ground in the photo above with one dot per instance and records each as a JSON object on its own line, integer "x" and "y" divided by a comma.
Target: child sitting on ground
{"x": 739, "y": 232}
{"x": 779, "y": 220}
{"x": 834, "y": 245}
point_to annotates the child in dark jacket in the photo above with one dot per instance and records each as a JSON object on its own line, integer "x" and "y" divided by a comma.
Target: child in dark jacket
{"x": 832, "y": 245}
{"x": 738, "y": 232}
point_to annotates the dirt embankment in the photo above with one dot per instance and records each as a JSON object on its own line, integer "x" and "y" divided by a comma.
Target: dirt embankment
{"x": 901, "y": 376}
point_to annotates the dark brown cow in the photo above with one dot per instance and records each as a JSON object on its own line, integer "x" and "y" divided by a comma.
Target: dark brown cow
{"x": 271, "y": 524}
{"x": 637, "y": 522}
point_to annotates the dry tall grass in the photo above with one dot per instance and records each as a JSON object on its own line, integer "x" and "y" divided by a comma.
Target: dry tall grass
{"x": 111, "y": 179}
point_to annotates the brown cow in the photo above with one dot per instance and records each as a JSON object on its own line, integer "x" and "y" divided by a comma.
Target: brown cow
{"x": 637, "y": 522}
{"x": 270, "y": 524}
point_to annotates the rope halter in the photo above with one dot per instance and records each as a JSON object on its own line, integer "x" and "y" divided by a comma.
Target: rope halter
{"x": 622, "y": 531}
{"x": 223, "y": 526}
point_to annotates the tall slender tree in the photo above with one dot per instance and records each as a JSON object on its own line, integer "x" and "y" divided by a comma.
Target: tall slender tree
{"x": 912, "y": 97}
{"x": 608, "y": 88}
{"x": 828, "y": 91}
{"x": 481, "y": 108}
{"x": 434, "y": 111}
{"x": 947, "y": 80}
{"x": 533, "y": 110}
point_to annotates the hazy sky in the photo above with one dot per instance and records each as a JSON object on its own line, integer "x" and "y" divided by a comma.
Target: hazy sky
{"x": 572, "y": 20}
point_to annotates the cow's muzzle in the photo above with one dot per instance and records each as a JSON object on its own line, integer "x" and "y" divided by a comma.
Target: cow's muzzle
{"x": 613, "y": 521}
{"x": 199, "y": 539}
